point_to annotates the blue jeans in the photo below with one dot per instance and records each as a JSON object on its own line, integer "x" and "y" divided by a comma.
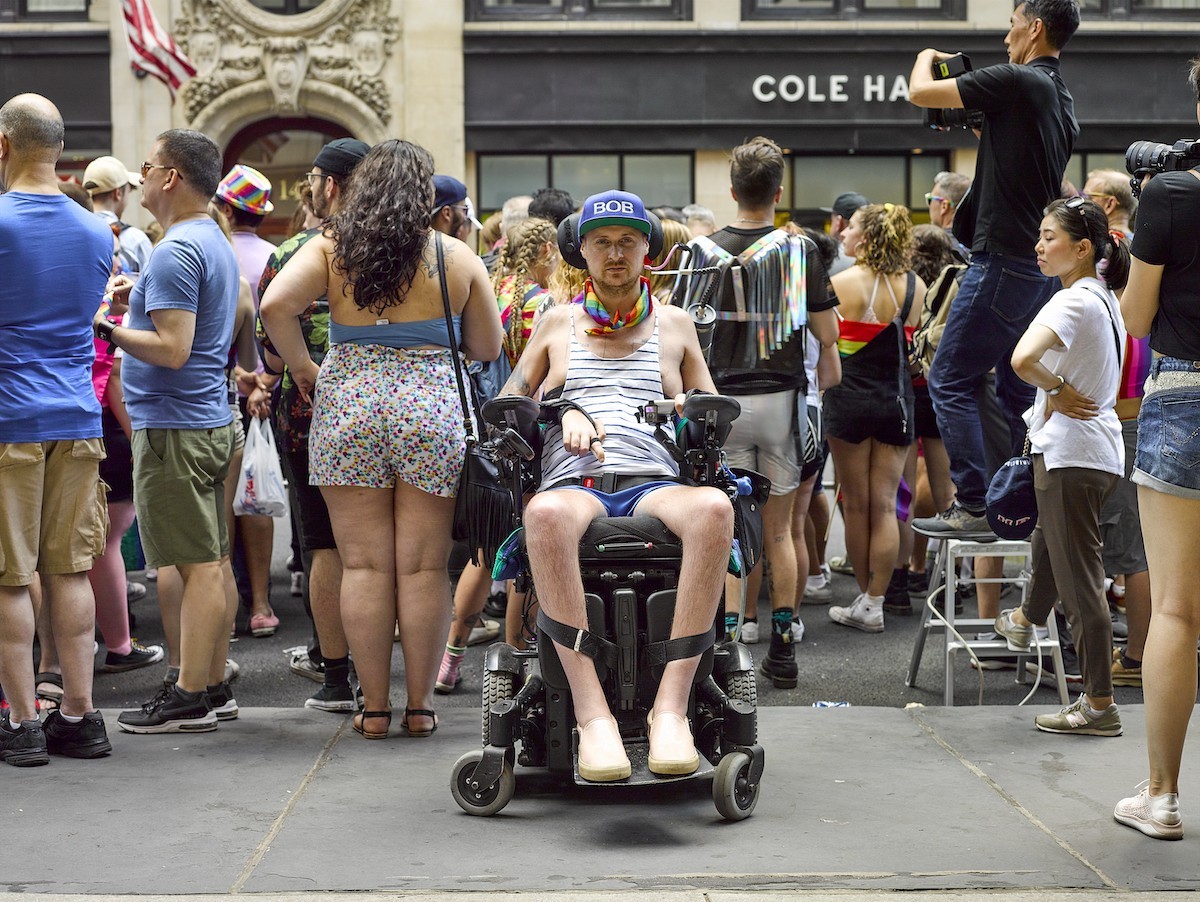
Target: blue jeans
{"x": 997, "y": 299}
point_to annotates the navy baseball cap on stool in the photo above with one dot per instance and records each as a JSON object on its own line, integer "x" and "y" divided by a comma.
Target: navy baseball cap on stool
{"x": 613, "y": 208}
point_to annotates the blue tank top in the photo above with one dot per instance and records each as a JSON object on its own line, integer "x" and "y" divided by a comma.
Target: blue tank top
{"x": 397, "y": 335}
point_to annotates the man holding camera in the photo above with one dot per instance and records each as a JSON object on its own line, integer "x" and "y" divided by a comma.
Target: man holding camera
{"x": 1028, "y": 131}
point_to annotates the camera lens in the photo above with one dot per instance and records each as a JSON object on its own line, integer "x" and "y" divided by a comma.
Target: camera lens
{"x": 1145, "y": 156}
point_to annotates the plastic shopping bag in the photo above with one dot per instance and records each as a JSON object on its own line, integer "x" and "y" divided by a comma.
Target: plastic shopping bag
{"x": 260, "y": 488}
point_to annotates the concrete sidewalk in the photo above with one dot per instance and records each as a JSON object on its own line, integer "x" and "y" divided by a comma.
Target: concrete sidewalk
{"x": 858, "y": 800}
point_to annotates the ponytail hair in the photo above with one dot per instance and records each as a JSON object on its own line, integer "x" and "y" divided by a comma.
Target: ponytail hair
{"x": 1080, "y": 218}
{"x": 887, "y": 239}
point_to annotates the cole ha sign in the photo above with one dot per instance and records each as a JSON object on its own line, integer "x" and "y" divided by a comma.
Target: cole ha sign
{"x": 830, "y": 88}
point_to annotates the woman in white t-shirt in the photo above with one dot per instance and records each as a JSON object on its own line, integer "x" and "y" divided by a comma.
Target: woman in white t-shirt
{"x": 1072, "y": 354}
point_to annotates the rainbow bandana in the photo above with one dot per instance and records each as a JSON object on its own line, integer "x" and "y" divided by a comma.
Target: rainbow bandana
{"x": 610, "y": 322}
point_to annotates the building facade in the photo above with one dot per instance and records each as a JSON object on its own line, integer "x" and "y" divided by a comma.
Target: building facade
{"x": 647, "y": 95}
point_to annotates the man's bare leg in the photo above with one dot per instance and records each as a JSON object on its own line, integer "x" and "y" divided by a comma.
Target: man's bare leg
{"x": 72, "y": 609}
{"x": 554, "y": 523}
{"x": 703, "y": 520}
{"x": 204, "y": 634}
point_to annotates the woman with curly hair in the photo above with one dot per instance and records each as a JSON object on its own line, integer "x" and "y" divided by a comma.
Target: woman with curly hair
{"x": 869, "y": 416}
{"x": 387, "y": 435}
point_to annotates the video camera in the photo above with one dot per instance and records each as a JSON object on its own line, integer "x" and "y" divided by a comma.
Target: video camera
{"x": 947, "y": 120}
{"x": 1145, "y": 158}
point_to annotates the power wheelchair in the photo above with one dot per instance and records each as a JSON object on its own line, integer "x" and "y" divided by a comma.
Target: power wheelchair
{"x": 630, "y": 568}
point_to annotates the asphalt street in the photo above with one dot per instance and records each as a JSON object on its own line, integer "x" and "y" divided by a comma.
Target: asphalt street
{"x": 836, "y": 663}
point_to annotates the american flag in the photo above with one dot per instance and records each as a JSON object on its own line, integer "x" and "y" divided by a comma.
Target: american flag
{"x": 152, "y": 49}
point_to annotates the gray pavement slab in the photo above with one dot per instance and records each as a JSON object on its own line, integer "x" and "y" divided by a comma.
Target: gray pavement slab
{"x": 284, "y": 801}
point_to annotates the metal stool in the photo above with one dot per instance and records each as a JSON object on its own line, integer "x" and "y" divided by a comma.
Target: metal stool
{"x": 945, "y": 577}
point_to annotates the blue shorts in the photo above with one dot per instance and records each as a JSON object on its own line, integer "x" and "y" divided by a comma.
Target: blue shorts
{"x": 1168, "y": 443}
{"x": 622, "y": 503}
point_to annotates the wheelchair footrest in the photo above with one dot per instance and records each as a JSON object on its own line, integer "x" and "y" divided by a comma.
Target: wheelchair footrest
{"x": 638, "y": 751}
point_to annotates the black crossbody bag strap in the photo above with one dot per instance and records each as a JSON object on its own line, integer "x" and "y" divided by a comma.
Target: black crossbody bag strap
{"x": 457, "y": 358}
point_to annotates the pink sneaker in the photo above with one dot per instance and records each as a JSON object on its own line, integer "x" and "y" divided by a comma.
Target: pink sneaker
{"x": 263, "y": 625}
{"x": 447, "y": 679}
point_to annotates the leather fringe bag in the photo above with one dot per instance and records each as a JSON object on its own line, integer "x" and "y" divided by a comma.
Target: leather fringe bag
{"x": 484, "y": 511}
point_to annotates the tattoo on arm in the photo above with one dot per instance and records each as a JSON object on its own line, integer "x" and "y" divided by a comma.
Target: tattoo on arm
{"x": 517, "y": 384}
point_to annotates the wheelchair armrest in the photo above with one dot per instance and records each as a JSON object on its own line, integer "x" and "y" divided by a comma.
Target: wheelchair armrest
{"x": 723, "y": 408}
{"x": 515, "y": 412}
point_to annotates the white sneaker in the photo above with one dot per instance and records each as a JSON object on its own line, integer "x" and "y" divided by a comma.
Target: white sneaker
{"x": 817, "y": 590}
{"x": 749, "y": 633}
{"x": 1156, "y": 816}
{"x": 865, "y": 614}
{"x": 297, "y": 584}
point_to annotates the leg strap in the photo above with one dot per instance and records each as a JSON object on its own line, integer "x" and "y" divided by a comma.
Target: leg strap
{"x": 658, "y": 653}
{"x": 578, "y": 639}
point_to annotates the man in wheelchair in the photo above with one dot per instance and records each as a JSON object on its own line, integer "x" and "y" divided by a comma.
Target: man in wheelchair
{"x": 610, "y": 356}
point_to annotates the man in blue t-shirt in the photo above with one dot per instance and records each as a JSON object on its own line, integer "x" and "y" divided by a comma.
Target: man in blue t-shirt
{"x": 181, "y": 315}
{"x": 1028, "y": 131}
{"x": 55, "y": 257}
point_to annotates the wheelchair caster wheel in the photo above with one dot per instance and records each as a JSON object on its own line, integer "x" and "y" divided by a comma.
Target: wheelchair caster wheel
{"x": 490, "y": 800}
{"x": 734, "y": 797}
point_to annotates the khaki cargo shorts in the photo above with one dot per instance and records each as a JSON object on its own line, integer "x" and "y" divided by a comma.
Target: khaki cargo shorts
{"x": 53, "y": 512}
{"x": 179, "y": 493}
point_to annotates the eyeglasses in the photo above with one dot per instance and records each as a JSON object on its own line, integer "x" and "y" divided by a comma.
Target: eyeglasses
{"x": 146, "y": 167}
{"x": 311, "y": 177}
{"x": 1072, "y": 203}
{"x": 930, "y": 198}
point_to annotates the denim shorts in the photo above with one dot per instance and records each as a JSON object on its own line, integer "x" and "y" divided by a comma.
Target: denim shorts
{"x": 1168, "y": 448}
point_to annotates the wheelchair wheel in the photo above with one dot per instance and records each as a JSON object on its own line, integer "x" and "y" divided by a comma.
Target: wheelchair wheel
{"x": 498, "y": 686}
{"x": 733, "y": 795}
{"x": 488, "y": 802}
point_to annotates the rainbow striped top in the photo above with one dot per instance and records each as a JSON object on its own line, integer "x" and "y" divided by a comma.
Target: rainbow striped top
{"x": 1136, "y": 368}
{"x": 853, "y": 335}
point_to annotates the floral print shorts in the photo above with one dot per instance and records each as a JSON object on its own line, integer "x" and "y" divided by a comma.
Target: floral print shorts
{"x": 383, "y": 414}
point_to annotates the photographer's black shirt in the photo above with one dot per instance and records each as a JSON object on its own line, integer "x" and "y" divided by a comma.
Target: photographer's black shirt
{"x": 1166, "y": 237}
{"x": 1028, "y": 131}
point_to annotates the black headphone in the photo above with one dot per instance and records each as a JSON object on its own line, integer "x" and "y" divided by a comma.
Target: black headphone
{"x": 569, "y": 240}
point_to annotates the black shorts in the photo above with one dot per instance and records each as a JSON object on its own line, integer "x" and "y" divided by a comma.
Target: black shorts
{"x": 857, "y": 416}
{"x": 117, "y": 469}
{"x": 316, "y": 533}
{"x": 923, "y": 414}
{"x": 812, "y": 450}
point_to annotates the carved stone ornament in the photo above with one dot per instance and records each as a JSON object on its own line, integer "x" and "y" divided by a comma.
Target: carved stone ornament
{"x": 301, "y": 62}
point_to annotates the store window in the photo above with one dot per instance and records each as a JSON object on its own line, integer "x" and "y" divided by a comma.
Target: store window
{"x": 661, "y": 180}
{"x": 46, "y": 10}
{"x": 849, "y": 9}
{"x": 286, "y": 7}
{"x": 815, "y": 181}
{"x": 491, "y": 10}
{"x": 1166, "y": 9}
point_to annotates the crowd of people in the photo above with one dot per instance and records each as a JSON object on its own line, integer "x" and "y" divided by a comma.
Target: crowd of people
{"x": 130, "y": 386}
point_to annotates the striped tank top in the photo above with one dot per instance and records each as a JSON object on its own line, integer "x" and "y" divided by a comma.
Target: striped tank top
{"x": 611, "y": 390}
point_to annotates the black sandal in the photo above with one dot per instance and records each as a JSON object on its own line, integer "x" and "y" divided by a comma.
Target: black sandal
{"x": 419, "y": 712}
{"x": 360, "y": 720}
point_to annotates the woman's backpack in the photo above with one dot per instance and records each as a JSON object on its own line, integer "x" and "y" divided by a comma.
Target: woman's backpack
{"x": 938, "y": 298}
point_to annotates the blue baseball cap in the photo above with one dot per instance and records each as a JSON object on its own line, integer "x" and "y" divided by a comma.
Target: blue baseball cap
{"x": 613, "y": 208}
{"x": 447, "y": 190}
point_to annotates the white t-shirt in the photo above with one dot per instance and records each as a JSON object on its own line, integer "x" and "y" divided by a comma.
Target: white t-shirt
{"x": 1083, "y": 317}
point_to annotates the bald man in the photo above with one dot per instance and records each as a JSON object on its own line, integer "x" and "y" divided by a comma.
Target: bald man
{"x": 56, "y": 259}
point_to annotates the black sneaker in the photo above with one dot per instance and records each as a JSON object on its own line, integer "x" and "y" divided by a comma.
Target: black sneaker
{"x": 223, "y": 703}
{"x": 86, "y": 739}
{"x": 780, "y": 663}
{"x": 24, "y": 746}
{"x": 336, "y": 699}
{"x": 170, "y": 712}
{"x": 139, "y": 656}
{"x": 918, "y": 583}
{"x": 895, "y": 598}
{"x": 495, "y": 606}
{"x": 1070, "y": 668}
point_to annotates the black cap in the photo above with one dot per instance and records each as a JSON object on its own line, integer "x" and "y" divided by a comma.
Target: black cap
{"x": 341, "y": 156}
{"x": 846, "y": 204}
